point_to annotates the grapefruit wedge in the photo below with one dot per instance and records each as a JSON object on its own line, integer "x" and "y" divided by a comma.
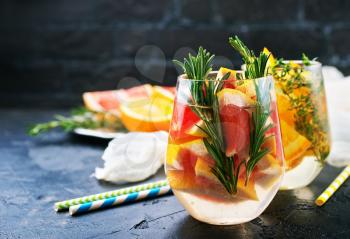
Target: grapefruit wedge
{"x": 112, "y": 99}
{"x": 235, "y": 120}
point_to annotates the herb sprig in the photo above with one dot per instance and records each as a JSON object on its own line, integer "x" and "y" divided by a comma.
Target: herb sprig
{"x": 80, "y": 118}
{"x": 256, "y": 67}
{"x": 205, "y": 105}
{"x": 308, "y": 120}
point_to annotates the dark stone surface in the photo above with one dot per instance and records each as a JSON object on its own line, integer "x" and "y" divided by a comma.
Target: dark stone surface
{"x": 36, "y": 172}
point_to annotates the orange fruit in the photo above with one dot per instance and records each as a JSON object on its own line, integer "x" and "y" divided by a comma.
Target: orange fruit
{"x": 294, "y": 144}
{"x": 246, "y": 191}
{"x": 184, "y": 159}
{"x": 231, "y": 80}
{"x": 247, "y": 87}
{"x": 203, "y": 168}
{"x": 163, "y": 93}
{"x": 284, "y": 108}
{"x": 271, "y": 61}
{"x": 196, "y": 130}
{"x": 147, "y": 115}
{"x": 270, "y": 143}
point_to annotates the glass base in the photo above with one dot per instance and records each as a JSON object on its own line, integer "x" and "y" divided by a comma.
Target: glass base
{"x": 227, "y": 213}
{"x": 302, "y": 175}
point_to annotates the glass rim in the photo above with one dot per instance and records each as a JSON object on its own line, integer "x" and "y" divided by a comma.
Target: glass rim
{"x": 182, "y": 77}
{"x": 300, "y": 62}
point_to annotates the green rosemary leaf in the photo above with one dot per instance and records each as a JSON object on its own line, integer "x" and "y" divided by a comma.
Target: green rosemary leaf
{"x": 79, "y": 118}
{"x": 305, "y": 59}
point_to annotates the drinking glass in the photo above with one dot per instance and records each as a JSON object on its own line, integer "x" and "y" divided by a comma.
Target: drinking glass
{"x": 303, "y": 118}
{"x": 235, "y": 181}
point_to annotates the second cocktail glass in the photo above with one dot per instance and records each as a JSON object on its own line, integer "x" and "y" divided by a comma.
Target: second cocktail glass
{"x": 304, "y": 120}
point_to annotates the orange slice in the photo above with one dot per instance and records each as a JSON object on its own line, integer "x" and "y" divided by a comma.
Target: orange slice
{"x": 230, "y": 82}
{"x": 195, "y": 130}
{"x": 246, "y": 191}
{"x": 147, "y": 115}
{"x": 163, "y": 93}
{"x": 271, "y": 61}
{"x": 203, "y": 168}
{"x": 294, "y": 144}
{"x": 270, "y": 143}
{"x": 284, "y": 108}
{"x": 247, "y": 87}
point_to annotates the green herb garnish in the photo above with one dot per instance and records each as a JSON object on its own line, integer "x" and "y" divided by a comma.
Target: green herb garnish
{"x": 308, "y": 122}
{"x": 305, "y": 59}
{"x": 256, "y": 67}
{"x": 80, "y": 118}
{"x": 205, "y": 105}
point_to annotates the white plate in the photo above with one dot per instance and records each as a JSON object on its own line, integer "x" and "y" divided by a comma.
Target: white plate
{"x": 96, "y": 133}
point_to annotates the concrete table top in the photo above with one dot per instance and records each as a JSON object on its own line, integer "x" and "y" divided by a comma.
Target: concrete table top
{"x": 37, "y": 172}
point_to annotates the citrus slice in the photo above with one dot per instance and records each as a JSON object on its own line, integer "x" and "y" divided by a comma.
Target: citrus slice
{"x": 196, "y": 130}
{"x": 270, "y": 143}
{"x": 183, "y": 120}
{"x": 247, "y": 87}
{"x": 112, "y": 99}
{"x": 230, "y": 81}
{"x": 271, "y": 61}
{"x": 235, "y": 97}
{"x": 295, "y": 145}
{"x": 134, "y": 94}
{"x": 246, "y": 191}
{"x": 172, "y": 156}
{"x": 184, "y": 157}
{"x": 165, "y": 93}
{"x": 177, "y": 153}
{"x": 267, "y": 162}
{"x": 285, "y": 111}
{"x": 101, "y": 100}
{"x": 147, "y": 115}
{"x": 203, "y": 168}
{"x": 235, "y": 120}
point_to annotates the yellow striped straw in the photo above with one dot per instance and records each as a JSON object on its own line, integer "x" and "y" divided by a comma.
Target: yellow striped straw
{"x": 333, "y": 187}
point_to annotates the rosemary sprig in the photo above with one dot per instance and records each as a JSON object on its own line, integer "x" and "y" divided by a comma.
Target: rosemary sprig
{"x": 305, "y": 59}
{"x": 205, "y": 105}
{"x": 80, "y": 118}
{"x": 256, "y": 67}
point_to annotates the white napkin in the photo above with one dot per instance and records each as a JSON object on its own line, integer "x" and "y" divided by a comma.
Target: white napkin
{"x": 133, "y": 157}
{"x": 338, "y": 99}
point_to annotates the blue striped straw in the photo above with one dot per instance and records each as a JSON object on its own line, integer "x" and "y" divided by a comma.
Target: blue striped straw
{"x": 109, "y": 202}
{"x": 64, "y": 205}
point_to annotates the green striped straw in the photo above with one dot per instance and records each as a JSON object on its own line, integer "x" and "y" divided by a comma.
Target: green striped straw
{"x": 64, "y": 205}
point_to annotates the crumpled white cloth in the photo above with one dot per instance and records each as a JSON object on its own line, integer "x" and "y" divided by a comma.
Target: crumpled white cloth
{"x": 338, "y": 101}
{"x": 132, "y": 157}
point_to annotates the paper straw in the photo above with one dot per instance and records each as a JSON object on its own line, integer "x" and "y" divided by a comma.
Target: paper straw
{"x": 333, "y": 187}
{"x": 109, "y": 202}
{"x": 64, "y": 205}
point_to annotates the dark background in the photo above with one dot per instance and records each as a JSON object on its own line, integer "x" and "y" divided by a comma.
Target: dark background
{"x": 52, "y": 51}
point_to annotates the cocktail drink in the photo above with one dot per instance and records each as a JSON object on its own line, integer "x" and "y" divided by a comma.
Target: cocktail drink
{"x": 224, "y": 158}
{"x": 225, "y": 181}
{"x": 303, "y": 118}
